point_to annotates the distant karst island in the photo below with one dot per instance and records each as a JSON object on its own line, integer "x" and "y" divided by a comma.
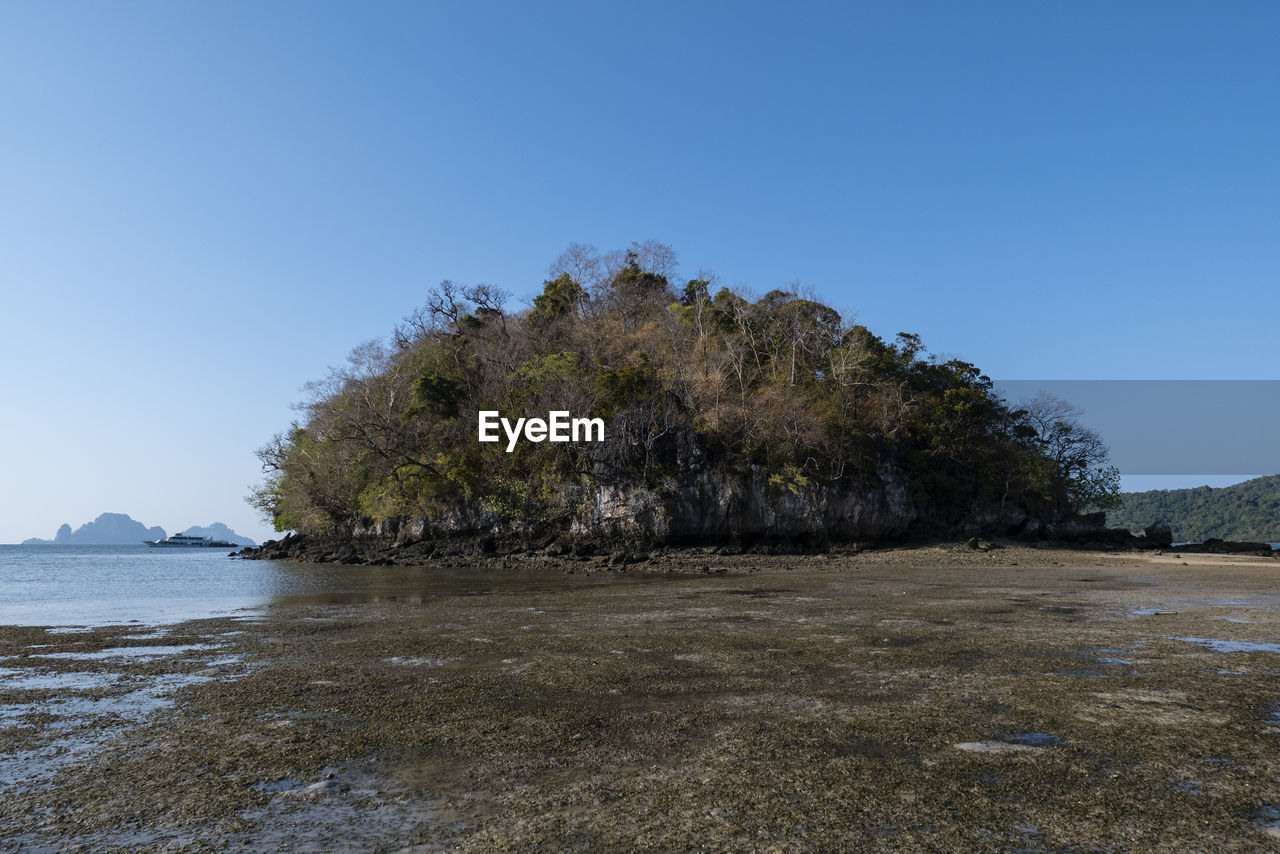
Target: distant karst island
{"x": 118, "y": 529}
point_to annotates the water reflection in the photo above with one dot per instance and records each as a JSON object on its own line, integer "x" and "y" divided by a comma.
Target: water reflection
{"x": 334, "y": 584}
{"x": 73, "y": 586}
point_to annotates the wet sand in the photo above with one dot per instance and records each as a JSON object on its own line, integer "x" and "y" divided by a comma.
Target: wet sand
{"x": 926, "y": 699}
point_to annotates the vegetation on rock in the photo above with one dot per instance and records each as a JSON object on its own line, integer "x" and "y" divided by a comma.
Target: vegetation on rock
{"x": 690, "y": 378}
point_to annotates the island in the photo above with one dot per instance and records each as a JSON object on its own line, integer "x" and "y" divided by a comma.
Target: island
{"x": 119, "y": 529}
{"x": 728, "y": 419}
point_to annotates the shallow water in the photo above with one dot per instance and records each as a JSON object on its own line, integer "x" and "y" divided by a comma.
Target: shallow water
{"x": 99, "y": 585}
{"x": 75, "y": 586}
{"x": 1036, "y": 739}
{"x": 129, "y": 651}
{"x": 1231, "y": 645}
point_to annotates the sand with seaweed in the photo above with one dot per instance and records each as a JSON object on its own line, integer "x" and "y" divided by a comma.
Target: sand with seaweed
{"x": 905, "y": 699}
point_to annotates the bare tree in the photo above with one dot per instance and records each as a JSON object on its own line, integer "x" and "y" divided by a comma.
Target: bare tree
{"x": 581, "y": 262}
{"x": 1078, "y": 453}
{"x": 657, "y": 258}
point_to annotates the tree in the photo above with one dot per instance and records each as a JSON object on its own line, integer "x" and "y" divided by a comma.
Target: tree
{"x": 779, "y": 384}
{"x": 1079, "y": 455}
{"x": 559, "y": 298}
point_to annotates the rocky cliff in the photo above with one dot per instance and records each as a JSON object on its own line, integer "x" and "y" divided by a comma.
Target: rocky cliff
{"x": 707, "y": 507}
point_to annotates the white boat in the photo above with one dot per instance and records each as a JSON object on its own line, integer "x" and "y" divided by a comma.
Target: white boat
{"x": 185, "y": 542}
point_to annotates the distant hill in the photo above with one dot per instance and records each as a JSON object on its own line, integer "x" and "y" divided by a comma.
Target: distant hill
{"x": 109, "y": 529}
{"x": 1245, "y": 511}
{"x": 219, "y": 531}
{"x": 117, "y": 529}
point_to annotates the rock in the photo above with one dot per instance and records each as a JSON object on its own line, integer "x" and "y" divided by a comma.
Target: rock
{"x": 1092, "y": 520}
{"x": 1158, "y": 533}
{"x": 1224, "y": 547}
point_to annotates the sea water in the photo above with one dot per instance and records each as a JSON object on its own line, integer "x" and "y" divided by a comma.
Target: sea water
{"x": 51, "y": 585}
{"x": 103, "y": 585}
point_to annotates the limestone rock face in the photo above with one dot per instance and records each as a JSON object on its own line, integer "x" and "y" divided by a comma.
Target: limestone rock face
{"x": 704, "y": 506}
{"x": 701, "y": 505}
{"x": 711, "y": 506}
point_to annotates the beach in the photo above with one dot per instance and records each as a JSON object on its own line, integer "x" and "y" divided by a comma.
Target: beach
{"x": 932, "y": 698}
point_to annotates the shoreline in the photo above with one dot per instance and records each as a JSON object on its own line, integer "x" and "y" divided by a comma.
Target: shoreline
{"x": 498, "y": 549}
{"x": 910, "y": 698}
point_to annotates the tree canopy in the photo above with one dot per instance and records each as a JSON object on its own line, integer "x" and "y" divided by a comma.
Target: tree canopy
{"x": 685, "y": 376}
{"x": 1246, "y": 511}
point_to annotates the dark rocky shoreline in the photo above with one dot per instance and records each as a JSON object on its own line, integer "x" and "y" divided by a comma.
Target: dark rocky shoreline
{"x": 380, "y": 549}
{"x": 1225, "y": 547}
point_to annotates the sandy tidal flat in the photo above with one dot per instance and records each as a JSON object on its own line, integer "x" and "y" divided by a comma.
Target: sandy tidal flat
{"x": 926, "y": 699}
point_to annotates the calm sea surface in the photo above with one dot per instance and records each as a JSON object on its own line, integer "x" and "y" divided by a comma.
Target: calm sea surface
{"x": 98, "y": 585}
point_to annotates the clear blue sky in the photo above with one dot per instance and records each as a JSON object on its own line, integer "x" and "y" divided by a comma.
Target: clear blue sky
{"x": 204, "y": 205}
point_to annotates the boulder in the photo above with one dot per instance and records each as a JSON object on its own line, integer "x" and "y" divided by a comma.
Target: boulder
{"x": 1225, "y": 547}
{"x": 1158, "y": 533}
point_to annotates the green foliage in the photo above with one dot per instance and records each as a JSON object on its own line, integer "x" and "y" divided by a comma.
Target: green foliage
{"x": 1245, "y": 511}
{"x": 511, "y": 498}
{"x": 437, "y": 394}
{"x": 637, "y": 283}
{"x": 782, "y": 382}
{"x": 558, "y": 299}
{"x": 624, "y": 387}
{"x": 791, "y": 479}
{"x": 695, "y": 292}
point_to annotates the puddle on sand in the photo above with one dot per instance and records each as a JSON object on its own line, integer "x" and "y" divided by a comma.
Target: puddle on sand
{"x": 1034, "y": 739}
{"x": 1230, "y": 645}
{"x": 995, "y": 747}
{"x": 63, "y": 718}
{"x": 132, "y": 651}
{"x": 1267, "y": 601}
{"x": 1089, "y": 662}
{"x": 1015, "y": 742}
{"x": 419, "y": 661}
{"x": 1268, "y": 818}
{"x": 25, "y": 680}
{"x": 83, "y": 725}
{"x": 127, "y": 705}
{"x": 280, "y": 786}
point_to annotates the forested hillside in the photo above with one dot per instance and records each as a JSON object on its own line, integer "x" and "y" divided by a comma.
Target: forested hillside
{"x": 690, "y": 379}
{"x": 1246, "y": 511}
